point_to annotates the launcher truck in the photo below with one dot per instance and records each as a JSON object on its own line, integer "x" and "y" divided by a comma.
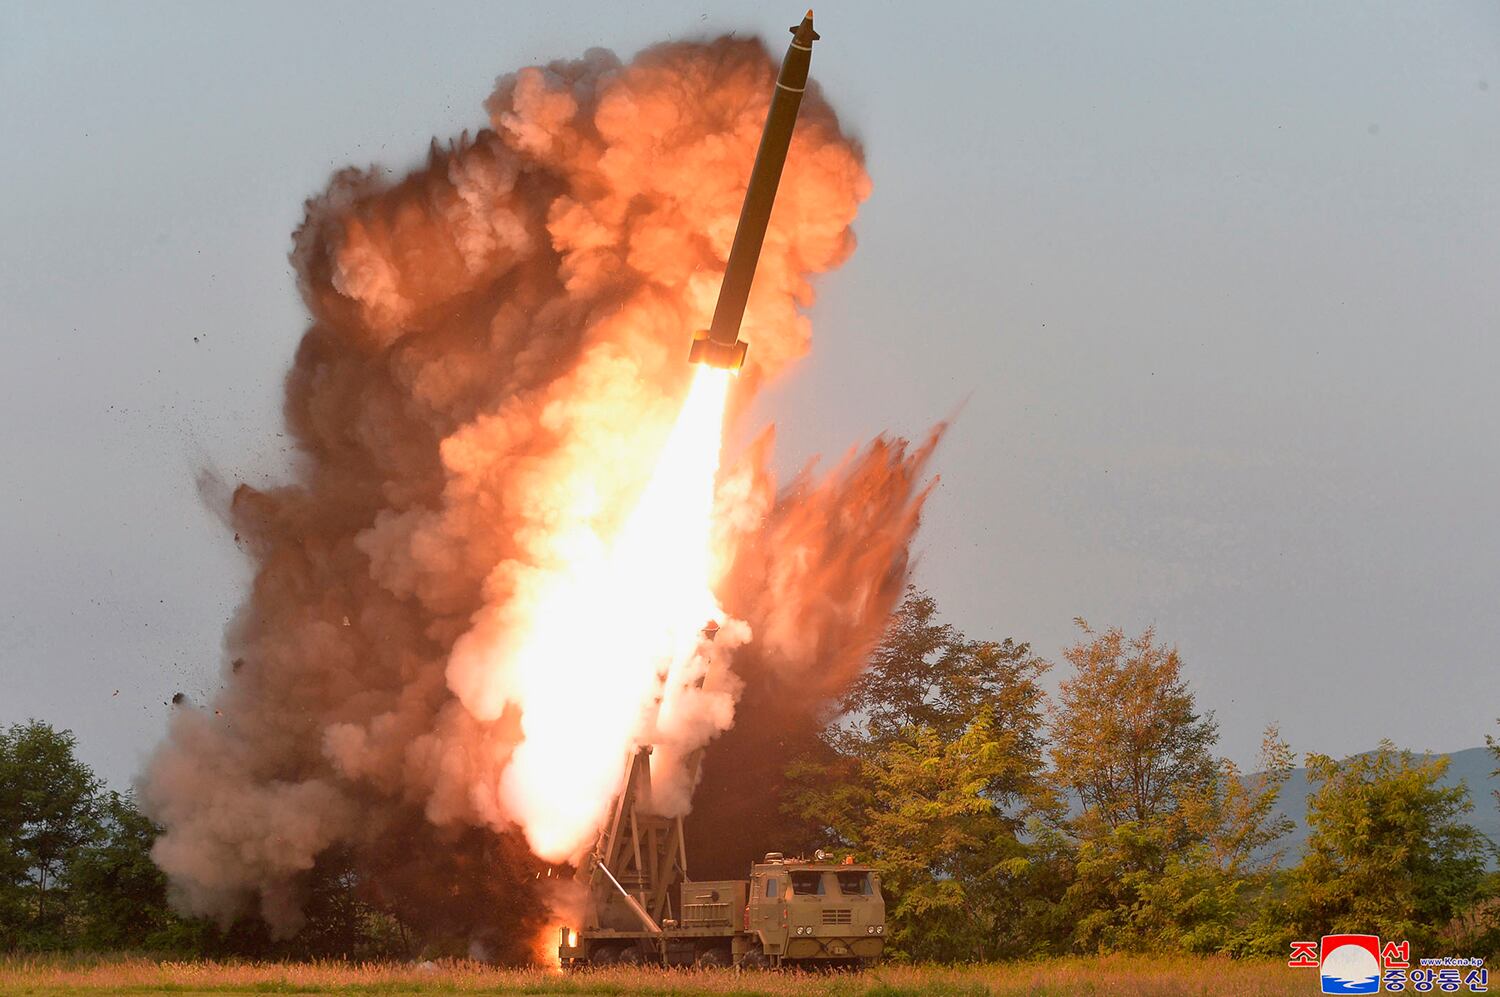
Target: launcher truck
{"x": 642, "y": 908}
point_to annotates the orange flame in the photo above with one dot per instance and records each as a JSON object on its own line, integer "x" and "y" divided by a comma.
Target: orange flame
{"x": 645, "y": 599}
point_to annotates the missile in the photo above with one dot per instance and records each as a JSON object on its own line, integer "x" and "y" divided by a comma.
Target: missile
{"x": 720, "y": 345}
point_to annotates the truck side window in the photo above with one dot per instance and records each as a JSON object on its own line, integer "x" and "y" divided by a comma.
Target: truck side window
{"x": 773, "y": 887}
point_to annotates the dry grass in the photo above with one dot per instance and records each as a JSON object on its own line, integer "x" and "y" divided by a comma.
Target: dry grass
{"x": 1112, "y": 975}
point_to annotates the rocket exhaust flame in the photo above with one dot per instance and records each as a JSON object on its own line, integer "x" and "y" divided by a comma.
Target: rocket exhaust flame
{"x": 647, "y": 593}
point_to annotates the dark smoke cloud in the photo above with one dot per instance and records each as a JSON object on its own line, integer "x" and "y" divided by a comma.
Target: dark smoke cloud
{"x": 489, "y": 335}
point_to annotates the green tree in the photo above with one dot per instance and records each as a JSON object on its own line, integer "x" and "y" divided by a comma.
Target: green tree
{"x": 1128, "y": 739}
{"x": 1193, "y": 883}
{"x": 1389, "y": 851}
{"x": 1486, "y": 916}
{"x": 13, "y": 871}
{"x": 1168, "y": 849}
{"x": 932, "y": 773}
{"x": 925, "y": 673}
{"x": 48, "y": 811}
{"x": 1494, "y": 746}
{"x": 119, "y": 893}
{"x": 942, "y": 843}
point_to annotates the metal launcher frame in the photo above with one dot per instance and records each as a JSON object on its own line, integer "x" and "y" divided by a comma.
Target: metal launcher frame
{"x": 638, "y": 860}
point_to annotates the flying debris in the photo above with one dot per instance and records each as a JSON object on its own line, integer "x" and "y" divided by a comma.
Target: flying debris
{"x": 720, "y": 345}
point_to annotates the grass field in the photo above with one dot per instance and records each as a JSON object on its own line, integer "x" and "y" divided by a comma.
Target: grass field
{"x": 1111, "y": 975}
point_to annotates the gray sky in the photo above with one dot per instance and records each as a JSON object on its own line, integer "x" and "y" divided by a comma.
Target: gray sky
{"x": 1216, "y": 285}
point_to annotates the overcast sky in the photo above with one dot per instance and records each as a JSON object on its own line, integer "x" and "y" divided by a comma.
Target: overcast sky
{"x": 1216, "y": 286}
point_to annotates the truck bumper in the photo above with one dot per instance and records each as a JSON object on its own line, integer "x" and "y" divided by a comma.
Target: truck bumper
{"x": 838, "y": 947}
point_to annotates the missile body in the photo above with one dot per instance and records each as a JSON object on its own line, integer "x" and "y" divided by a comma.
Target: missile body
{"x": 720, "y": 344}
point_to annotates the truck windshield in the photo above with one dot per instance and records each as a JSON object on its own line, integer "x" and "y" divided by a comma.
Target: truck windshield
{"x": 853, "y": 884}
{"x": 807, "y": 884}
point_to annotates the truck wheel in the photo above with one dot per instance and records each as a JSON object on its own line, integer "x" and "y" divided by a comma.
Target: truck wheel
{"x": 631, "y": 957}
{"x": 755, "y": 959}
{"x": 605, "y": 955}
{"x": 714, "y": 958}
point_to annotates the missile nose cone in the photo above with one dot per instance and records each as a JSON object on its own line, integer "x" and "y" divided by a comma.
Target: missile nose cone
{"x": 803, "y": 34}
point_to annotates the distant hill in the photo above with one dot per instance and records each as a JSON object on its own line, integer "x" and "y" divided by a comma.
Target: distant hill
{"x": 1472, "y": 766}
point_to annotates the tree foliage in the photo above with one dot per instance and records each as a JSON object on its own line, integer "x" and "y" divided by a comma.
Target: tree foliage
{"x": 1165, "y": 849}
{"x": 1389, "y": 852}
{"x": 48, "y": 812}
{"x": 1128, "y": 739}
{"x": 932, "y": 773}
{"x": 942, "y": 843}
{"x": 120, "y": 895}
{"x": 926, "y": 673}
{"x": 1137, "y": 837}
{"x": 1190, "y": 880}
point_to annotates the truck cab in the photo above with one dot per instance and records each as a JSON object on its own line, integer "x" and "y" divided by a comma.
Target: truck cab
{"x": 816, "y": 911}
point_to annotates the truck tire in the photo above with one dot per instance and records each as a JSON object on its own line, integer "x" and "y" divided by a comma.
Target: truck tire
{"x": 631, "y": 956}
{"x": 604, "y": 955}
{"x": 713, "y": 958}
{"x": 755, "y": 959}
